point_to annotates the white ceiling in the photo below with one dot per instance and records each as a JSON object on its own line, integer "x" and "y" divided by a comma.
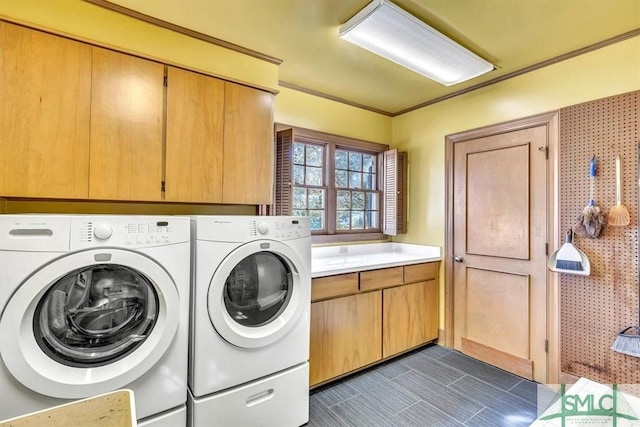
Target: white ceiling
{"x": 511, "y": 34}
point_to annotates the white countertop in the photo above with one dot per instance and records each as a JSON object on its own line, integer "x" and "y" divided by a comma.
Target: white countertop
{"x": 330, "y": 260}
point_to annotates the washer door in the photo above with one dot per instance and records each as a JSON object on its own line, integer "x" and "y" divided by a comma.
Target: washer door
{"x": 89, "y": 322}
{"x": 258, "y": 293}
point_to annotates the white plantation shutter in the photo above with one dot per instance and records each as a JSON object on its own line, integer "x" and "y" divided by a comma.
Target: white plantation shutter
{"x": 394, "y": 188}
{"x": 284, "y": 173}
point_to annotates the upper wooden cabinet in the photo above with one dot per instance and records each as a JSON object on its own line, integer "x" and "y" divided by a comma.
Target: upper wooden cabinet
{"x": 83, "y": 122}
{"x": 194, "y": 145}
{"x": 248, "y": 145}
{"x": 127, "y": 96}
{"x": 45, "y": 93}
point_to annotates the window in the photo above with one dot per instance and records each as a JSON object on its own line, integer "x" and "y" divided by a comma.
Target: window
{"x": 309, "y": 191}
{"x": 357, "y": 200}
{"x": 338, "y": 182}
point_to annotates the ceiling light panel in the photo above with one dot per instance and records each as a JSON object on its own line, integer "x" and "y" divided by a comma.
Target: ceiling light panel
{"x": 387, "y": 30}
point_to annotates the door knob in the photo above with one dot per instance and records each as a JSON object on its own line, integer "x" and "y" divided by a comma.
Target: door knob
{"x": 457, "y": 258}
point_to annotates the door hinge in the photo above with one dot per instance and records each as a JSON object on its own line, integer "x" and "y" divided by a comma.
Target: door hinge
{"x": 165, "y": 82}
{"x": 162, "y": 189}
{"x": 546, "y": 346}
{"x": 545, "y": 148}
{"x": 546, "y": 249}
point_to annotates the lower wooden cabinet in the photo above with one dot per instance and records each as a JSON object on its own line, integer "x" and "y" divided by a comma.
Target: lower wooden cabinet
{"x": 345, "y": 335}
{"x": 361, "y": 318}
{"x": 410, "y": 316}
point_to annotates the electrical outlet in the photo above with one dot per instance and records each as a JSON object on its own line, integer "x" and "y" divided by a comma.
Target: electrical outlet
{"x": 344, "y": 250}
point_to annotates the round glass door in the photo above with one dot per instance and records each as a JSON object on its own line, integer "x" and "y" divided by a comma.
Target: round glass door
{"x": 95, "y": 315}
{"x": 258, "y": 293}
{"x": 258, "y": 289}
{"x": 81, "y": 326}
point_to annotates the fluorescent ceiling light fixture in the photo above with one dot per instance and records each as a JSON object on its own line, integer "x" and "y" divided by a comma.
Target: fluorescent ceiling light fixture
{"x": 387, "y": 30}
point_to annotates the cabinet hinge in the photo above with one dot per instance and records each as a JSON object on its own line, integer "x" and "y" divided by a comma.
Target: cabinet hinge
{"x": 546, "y": 346}
{"x": 165, "y": 82}
{"x": 162, "y": 189}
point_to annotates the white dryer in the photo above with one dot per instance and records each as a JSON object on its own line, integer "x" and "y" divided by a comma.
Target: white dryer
{"x": 249, "y": 340}
{"x": 92, "y": 304}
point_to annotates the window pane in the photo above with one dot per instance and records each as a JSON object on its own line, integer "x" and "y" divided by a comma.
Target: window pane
{"x": 371, "y": 219}
{"x": 342, "y": 220}
{"x": 314, "y": 176}
{"x": 300, "y": 213}
{"x": 368, "y": 163}
{"x": 357, "y": 200}
{"x": 298, "y": 175}
{"x": 341, "y": 179}
{"x": 316, "y": 219}
{"x": 314, "y": 155}
{"x": 316, "y": 199}
{"x": 355, "y": 180}
{"x": 298, "y": 153}
{"x": 341, "y": 160}
{"x": 299, "y": 198}
{"x": 344, "y": 200}
{"x": 372, "y": 201}
{"x": 355, "y": 161}
{"x": 367, "y": 181}
{"x": 357, "y": 220}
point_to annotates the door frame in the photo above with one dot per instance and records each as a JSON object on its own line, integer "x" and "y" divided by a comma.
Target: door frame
{"x": 550, "y": 120}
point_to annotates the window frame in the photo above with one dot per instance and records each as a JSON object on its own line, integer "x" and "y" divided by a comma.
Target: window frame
{"x": 331, "y": 142}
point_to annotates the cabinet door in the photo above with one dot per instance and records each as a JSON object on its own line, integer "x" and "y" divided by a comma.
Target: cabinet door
{"x": 410, "y": 316}
{"x": 345, "y": 335}
{"x": 126, "y": 127}
{"x": 195, "y": 114}
{"x": 45, "y": 88}
{"x": 248, "y": 145}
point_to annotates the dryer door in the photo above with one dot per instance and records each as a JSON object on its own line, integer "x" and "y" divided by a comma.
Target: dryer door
{"x": 89, "y": 322}
{"x": 258, "y": 293}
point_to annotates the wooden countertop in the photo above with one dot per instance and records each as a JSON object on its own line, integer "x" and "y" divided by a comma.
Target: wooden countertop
{"x": 115, "y": 409}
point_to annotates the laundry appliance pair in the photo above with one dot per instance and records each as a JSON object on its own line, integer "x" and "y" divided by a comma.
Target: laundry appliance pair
{"x": 90, "y": 304}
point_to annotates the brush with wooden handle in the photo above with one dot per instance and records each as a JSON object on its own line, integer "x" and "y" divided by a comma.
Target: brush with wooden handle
{"x": 618, "y": 215}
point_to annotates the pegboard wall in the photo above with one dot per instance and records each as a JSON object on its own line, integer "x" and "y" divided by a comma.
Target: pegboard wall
{"x": 594, "y": 308}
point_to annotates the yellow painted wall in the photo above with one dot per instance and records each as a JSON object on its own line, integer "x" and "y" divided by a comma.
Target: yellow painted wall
{"x": 609, "y": 71}
{"x": 299, "y": 109}
{"x": 86, "y": 22}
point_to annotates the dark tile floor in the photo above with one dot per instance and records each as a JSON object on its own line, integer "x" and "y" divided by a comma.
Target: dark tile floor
{"x": 431, "y": 386}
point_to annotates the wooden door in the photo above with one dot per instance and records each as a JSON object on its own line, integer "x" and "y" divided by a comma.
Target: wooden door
{"x": 195, "y": 114}
{"x": 248, "y": 146}
{"x": 499, "y": 239}
{"x": 127, "y": 96}
{"x": 45, "y": 88}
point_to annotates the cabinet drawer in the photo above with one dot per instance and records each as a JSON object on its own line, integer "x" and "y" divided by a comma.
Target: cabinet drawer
{"x": 333, "y": 286}
{"x": 378, "y": 279}
{"x": 420, "y": 272}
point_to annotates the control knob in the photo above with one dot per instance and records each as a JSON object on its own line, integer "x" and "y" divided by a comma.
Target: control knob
{"x": 102, "y": 231}
{"x": 262, "y": 227}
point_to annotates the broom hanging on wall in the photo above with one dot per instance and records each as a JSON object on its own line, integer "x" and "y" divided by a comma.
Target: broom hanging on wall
{"x": 628, "y": 340}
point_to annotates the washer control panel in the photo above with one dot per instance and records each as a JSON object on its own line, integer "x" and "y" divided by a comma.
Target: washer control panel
{"x": 134, "y": 232}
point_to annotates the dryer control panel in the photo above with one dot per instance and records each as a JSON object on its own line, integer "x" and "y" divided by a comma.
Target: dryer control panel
{"x": 243, "y": 229}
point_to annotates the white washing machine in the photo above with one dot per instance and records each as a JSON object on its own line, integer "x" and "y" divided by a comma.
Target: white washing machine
{"x": 92, "y": 304}
{"x": 250, "y": 314}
